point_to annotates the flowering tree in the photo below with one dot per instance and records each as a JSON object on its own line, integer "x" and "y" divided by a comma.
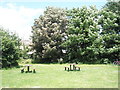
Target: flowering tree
{"x": 48, "y": 34}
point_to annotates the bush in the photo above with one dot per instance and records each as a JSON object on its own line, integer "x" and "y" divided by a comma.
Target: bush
{"x": 10, "y": 45}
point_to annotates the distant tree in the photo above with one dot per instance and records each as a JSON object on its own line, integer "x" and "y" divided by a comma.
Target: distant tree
{"x": 48, "y": 33}
{"x": 24, "y": 52}
{"x": 10, "y": 44}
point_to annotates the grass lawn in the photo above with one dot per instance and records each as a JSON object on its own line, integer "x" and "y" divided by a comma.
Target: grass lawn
{"x": 54, "y": 76}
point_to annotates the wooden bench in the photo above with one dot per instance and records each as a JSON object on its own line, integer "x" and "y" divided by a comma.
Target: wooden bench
{"x": 28, "y": 71}
{"x": 34, "y": 71}
{"x": 67, "y": 68}
{"x": 22, "y": 70}
{"x": 77, "y": 68}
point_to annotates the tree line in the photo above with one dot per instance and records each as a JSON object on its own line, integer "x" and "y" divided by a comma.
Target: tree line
{"x": 85, "y": 35}
{"x": 79, "y": 35}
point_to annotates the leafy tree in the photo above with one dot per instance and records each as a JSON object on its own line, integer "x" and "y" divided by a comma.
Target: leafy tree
{"x": 10, "y": 48}
{"x": 112, "y": 47}
{"x": 91, "y": 36}
{"x": 110, "y": 26}
{"x": 83, "y": 32}
{"x": 25, "y": 50}
{"x": 48, "y": 33}
{"x": 114, "y": 6}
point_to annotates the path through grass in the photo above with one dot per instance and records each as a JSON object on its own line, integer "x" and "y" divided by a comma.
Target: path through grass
{"x": 54, "y": 76}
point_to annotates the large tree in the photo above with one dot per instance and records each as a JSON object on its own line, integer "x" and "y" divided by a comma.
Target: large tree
{"x": 91, "y": 36}
{"x": 83, "y": 31}
{"x": 10, "y": 48}
{"x": 110, "y": 26}
{"x": 48, "y": 34}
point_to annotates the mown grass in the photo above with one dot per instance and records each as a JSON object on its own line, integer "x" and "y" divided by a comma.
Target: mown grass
{"x": 54, "y": 76}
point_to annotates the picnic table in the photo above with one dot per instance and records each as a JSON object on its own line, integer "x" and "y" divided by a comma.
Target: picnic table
{"x": 28, "y": 69}
{"x": 72, "y": 67}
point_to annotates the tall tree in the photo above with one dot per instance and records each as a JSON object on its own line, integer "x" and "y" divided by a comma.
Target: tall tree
{"x": 83, "y": 31}
{"x": 91, "y": 36}
{"x": 48, "y": 33}
{"x": 110, "y": 25}
{"x": 10, "y": 48}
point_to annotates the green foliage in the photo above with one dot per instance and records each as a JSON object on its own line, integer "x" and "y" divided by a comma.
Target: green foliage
{"x": 24, "y": 52}
{"x": 83, "y": 32}
{"x": 110, "y": 26}
{"x": 48, "y": 33}
{"x": 87, "y": 35}
{"x": 91, "y": 36}
{"x": 10, "y": 48}
{"x": 108, "y": 21}
{"x": 111, "y": 35}
{"x": 111, "y": 47}
{"x": 114, "y": 6}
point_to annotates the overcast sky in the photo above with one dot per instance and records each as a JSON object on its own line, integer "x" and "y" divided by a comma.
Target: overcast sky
{"x": 18, "y": 16}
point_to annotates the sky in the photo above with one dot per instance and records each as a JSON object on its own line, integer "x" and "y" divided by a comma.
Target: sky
{"x": 18, "y": 16}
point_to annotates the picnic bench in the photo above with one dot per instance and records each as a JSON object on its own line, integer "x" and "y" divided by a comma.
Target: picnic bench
{"x": 28, "y": 69}
{"x": 72, "y": 67}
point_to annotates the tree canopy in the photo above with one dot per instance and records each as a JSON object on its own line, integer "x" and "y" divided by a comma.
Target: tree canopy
{"x": 87, "y": 35}
{"x": 48, "y": 34}
{"x": 114, "y": 6}
{"x": 83, "y": 31}
{"x": 10, "y": 44}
